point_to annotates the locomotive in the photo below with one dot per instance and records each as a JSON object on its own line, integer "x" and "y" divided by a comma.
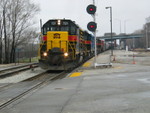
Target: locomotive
{"x": 64, "y": 45}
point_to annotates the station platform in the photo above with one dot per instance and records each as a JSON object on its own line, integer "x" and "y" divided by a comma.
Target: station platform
{"x": 120, "y": 88}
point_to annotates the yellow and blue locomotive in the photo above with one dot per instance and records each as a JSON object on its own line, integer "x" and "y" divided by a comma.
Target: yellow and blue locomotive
{"x": 63, "y": 45}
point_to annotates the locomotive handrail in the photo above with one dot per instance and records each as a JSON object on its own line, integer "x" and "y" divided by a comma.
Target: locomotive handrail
{"x": 41, "y": 45}
{"x": 72, "y": 50}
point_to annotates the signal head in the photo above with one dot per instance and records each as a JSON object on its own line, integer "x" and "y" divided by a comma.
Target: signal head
{"x": 92, "y": 26}
{"x": 91, "y": 9}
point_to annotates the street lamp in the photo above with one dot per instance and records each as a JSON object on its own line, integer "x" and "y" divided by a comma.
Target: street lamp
{"x": 110, "y": 27}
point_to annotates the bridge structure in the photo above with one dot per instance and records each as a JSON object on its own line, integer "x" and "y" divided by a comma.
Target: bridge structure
{"x": 124, "y": 36}
{"x": 122, "y": 39}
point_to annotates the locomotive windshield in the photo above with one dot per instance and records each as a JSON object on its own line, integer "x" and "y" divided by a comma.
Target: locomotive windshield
{"x": 65, "y": 25}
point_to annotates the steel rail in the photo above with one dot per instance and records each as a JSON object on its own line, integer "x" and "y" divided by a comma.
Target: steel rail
{"x": 15, "y": 70}
{"x": 15, "y": 67}
{"x": 35, "y": 87}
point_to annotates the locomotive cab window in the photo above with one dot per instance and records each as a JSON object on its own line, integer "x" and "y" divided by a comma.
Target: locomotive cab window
{"x": 64, "y": 28}
{"x": 59, "y": 28}
{"x": 54, "y": 28}
{"x": 73, "y": 30}
{"x": 64, "y": 25}
{"x": 44, "y": 30}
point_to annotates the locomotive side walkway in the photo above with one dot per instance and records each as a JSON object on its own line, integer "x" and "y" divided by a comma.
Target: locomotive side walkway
{"x": 122, "y": 88}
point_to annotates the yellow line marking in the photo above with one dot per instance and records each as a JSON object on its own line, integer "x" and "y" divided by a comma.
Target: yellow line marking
{"x": 76, "y": 74}
{"x": 87, "y": 64}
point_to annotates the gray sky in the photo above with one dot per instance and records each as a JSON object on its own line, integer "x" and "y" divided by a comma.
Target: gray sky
{"x": 131, "y": 12}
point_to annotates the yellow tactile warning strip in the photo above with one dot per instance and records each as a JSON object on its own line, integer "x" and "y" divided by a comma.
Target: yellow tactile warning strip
{"x": 76, "y": 74}
{"x": 87, "y": 64}
{"x": 119, "y": 67}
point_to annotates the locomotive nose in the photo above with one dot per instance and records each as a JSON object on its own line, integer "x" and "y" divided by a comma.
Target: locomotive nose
{"x": 56, "y": 60}
{"x": 57, "y": 44}
{"x": 55, "y": 56}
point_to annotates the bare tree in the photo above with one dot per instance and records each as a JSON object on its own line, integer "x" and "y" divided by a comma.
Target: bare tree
{"x": 21, "y": 12}
{"x": 18, "y": 14}
{"x": 4, "y": 12}
{"x": 1, "y": 39}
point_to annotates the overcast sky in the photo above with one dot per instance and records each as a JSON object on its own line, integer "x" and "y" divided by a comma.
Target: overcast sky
{"x": 131, "y": 13}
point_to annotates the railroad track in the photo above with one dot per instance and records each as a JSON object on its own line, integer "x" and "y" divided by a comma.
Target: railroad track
{"x": 15, "y": 69}
{"x": 48, "y": 79}
{"x": 41, "y": 82}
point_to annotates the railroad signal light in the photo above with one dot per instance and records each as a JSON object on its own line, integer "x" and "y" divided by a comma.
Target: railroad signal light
{"x": 91, "y": 9}
{"x": 92, "y": 26}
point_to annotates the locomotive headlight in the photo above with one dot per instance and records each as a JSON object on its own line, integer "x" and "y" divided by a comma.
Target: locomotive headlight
{"x": 58, "y": 22}
{"x": 65, "y": 54}
{"x": 45, "y": 54}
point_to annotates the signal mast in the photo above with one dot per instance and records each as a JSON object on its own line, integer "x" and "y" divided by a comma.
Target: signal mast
{"x": 92, "y": 26}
